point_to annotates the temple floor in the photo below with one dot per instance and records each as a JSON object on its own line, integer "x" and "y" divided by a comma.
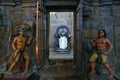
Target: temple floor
{"x": 46, "y": 75}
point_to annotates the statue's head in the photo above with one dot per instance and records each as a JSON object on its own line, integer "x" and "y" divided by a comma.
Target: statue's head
{"x": 20, "y": 31}
{"x": 62, "y": 33}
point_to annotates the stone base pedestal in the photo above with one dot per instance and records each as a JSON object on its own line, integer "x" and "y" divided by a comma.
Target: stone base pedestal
{"x": 22, "y": 76}
{"x": 62, "y": 51}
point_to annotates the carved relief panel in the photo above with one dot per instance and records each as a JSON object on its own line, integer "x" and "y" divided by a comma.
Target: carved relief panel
{"x": 17, "y": 16}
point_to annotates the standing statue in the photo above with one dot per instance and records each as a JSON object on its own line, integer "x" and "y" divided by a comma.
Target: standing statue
{"x": 103, "y": 46}
{"x": 19, "y": 44}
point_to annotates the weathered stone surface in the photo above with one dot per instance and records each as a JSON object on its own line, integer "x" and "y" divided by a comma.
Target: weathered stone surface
{"x": 99, "y": 77}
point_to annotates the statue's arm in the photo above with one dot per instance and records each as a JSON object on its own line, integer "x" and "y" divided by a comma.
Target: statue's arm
{"x": 13, "y": 44}
{"x": 29, "y": 40}
{"x": 110, "y": 46}
{"x": 94, "y": 42}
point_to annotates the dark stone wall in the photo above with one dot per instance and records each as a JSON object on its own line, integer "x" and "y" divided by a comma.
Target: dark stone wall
{"x": 115, "y": 11}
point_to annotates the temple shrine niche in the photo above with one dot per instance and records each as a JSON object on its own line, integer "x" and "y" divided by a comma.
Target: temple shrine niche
{"x": 61, "y": 37}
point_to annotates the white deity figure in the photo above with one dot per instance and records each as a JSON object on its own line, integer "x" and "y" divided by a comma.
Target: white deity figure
{"x": 63, "y": 42}
{"x": 62, "y": 37}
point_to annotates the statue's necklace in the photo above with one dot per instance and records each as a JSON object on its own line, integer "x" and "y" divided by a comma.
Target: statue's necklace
{"x": 101, "y": 39}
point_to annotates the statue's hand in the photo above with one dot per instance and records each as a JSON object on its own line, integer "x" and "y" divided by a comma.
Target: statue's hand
{"x": 17, "y": 50}
{"x": 69, "y": 35}
{"x": 30, "y": 38}
{"x": 106, "y": 53}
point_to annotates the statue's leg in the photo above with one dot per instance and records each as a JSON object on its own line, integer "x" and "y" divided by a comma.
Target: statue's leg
{"x": 27, "y": 65}
{"x": 106, "y": 65}
{"x": 93, "y": 58}
{"x": 11, "y": 67}
{"x": 27, "y": 61}
{"x": 111, "y": 72}
{"x": 92, "y": 64}
{"x": 16, "y": 58}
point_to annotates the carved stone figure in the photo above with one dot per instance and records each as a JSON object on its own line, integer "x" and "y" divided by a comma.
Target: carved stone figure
{"x": 19, "y": 44}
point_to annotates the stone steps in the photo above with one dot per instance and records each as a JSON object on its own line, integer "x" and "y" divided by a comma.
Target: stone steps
{"x": 58, "y": 68}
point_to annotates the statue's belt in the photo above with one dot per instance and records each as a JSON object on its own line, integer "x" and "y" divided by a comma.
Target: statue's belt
{"x": 99, "y": 52}
{"x": 22, "y": 50}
